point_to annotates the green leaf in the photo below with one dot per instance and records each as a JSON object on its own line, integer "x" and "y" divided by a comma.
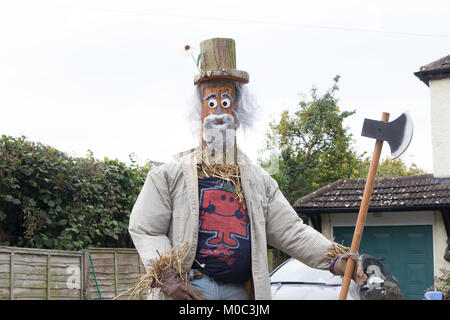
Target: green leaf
{"x": 199, "y": 57}
{"x": 12, "y": 199}
{"x": 228, "y": 188}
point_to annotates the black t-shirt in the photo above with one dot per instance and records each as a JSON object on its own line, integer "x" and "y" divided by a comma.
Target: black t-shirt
{"x": 224, "y": 233}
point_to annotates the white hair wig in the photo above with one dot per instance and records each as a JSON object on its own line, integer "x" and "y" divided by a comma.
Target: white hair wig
{"x": 246, "y": 109}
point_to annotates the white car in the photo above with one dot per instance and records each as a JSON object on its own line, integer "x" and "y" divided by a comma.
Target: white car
{"x": 293, "y": 280}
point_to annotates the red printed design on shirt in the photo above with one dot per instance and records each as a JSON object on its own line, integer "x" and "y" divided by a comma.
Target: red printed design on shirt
{"x": 223, "y": 246}
{"x": 224, "y": 218}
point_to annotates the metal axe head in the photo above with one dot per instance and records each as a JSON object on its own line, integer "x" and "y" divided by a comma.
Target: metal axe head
{"x": 397, "y": 133}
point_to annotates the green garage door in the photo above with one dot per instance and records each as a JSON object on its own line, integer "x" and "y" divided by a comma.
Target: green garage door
{"x": 407, "y": 253}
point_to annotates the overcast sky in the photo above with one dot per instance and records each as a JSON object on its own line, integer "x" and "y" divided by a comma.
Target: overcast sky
{"x": 112, "y": 76}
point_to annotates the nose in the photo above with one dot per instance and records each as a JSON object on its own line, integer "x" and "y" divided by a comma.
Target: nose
{"x": 218, "y": 111}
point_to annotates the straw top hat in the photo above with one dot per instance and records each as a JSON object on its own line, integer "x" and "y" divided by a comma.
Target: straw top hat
{"x": 218, "y": 61}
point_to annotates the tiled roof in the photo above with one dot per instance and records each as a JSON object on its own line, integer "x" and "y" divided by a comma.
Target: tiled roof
{"x": 398, "y": 193}
{"x": 441, "y": 63}
{"x": 435, "y": 70}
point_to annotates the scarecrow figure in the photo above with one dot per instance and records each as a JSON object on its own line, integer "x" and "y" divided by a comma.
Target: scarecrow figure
{"x": 221, "y": 209}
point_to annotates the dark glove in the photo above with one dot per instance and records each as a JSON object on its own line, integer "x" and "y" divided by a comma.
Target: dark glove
{"x": 340, "y": 263}
{"x": 178, "y": 289}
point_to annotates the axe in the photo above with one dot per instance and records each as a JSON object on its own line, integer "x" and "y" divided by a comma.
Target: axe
{"x": 398, "y": 134}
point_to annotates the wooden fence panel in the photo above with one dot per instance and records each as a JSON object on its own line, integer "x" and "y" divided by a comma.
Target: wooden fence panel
{"x": 40, "y": 274}
{"x": 55, "y": 274}
{"x": 116, "y": 270}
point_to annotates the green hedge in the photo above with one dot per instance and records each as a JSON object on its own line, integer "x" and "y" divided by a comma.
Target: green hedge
{"x": 51, "y": 200}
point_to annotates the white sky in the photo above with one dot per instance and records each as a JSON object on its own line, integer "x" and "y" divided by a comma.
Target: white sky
{"x": 112, "y": 76}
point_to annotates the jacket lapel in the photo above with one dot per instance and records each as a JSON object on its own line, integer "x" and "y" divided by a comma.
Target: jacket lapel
{"x": 189, "y": 167}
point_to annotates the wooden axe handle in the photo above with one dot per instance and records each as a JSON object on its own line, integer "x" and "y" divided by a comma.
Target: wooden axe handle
{"x": 362, "y": 213}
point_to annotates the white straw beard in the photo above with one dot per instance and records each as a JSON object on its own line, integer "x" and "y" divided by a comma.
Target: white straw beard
{"x": 219, "y": 131}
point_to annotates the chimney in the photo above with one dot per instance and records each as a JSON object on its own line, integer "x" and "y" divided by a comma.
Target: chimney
{"x": 436, "y": 75}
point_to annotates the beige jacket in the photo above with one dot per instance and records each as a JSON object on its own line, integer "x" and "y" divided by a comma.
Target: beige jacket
{"x": 166, "y": 215}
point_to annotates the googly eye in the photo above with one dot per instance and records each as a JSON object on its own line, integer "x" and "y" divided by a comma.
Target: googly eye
{"x": 226, "y": 103}
{"x": 212, "y": 103}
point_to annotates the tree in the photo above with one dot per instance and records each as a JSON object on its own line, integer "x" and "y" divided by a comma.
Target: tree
{"x": 312, "y": 144}
{"x": 389, "y": 168}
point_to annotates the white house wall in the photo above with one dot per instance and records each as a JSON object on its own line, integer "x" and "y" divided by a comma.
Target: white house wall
{"x": 440, "y": 128}
{"x": 440, "y": 240}
{"x": 384, "y": 218}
